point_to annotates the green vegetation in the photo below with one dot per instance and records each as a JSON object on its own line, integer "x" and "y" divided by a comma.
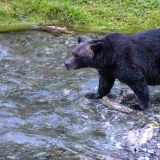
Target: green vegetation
{"x": 15, "y": 27}
{"x": 84, "y": 15}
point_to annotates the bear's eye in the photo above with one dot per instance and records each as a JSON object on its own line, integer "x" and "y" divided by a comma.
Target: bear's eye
{"x": 77, "y": 55}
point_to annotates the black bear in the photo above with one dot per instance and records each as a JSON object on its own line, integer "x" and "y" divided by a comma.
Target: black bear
{"x": 132, "y": 59}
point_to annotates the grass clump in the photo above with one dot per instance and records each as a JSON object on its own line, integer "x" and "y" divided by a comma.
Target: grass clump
{"x": 84, "y": 15}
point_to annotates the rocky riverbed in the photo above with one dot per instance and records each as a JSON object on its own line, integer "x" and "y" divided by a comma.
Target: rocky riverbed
{"x": 45, "y": 115}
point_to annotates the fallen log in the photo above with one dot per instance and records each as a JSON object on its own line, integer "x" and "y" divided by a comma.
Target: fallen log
{"x": 119, "y": 107}
{"x": 52, "y": 29}
{"x": 27, "y": 27}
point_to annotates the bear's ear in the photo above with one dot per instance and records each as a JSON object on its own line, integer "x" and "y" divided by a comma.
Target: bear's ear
{"x": 98, "y": 46}
{"x": 82, "y": 39}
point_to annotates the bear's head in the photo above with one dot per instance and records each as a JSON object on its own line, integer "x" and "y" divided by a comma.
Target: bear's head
{"x": 87, "y": 54}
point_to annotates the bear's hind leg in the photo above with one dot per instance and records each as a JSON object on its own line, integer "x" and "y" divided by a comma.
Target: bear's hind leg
{"x": 141, "y": 90}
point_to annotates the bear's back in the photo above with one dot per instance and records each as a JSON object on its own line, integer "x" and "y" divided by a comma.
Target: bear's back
{"x": 148, "y": 44}
{"x": 154, "y": 33}
{"x": 148, "y": 54}
{"x": 142, "y": 49}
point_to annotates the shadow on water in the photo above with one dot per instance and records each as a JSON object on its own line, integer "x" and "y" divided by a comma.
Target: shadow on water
{"x": 43, "y": 111}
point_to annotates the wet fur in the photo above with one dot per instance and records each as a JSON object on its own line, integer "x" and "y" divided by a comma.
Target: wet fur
{"x": 132, "y": 59}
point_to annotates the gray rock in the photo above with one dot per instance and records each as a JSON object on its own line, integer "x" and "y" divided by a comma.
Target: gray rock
{"x": 42, "y": 155}
{"x": 11, "y": 157}
{"x": 143, "y": 158}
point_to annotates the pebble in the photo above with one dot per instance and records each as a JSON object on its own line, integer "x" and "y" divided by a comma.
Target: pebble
{"x": 143, "y": 158}
{"x": 42, "y": 155}
{"x": 66, "y": 92}
{"x": 11, "y": 157}
{"x": 158, "y": 145}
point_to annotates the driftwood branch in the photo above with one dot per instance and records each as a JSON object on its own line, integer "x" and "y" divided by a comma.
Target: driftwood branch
{"x": 26, "y": 27}
{"x": 118, "y": 107}
{"x": 52, "y": 29}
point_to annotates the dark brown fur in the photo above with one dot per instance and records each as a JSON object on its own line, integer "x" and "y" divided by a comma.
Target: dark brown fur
{"x": 132, "y": 59}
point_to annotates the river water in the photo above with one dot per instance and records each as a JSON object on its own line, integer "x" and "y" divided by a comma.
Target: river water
{"x": 44, "y": 113}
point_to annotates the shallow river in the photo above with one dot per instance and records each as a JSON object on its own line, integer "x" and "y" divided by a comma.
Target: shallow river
{"x": 44, "y": 113}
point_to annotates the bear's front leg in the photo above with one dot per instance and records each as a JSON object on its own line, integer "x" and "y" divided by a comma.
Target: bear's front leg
{"x": 105, "y": 85}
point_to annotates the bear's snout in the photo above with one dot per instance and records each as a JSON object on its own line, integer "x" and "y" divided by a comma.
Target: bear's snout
{"x": 67, "y": 65}
{"x": 70, "y": 63}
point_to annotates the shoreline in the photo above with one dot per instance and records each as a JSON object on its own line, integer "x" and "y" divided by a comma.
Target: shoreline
{"x": 84, "y": 16}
